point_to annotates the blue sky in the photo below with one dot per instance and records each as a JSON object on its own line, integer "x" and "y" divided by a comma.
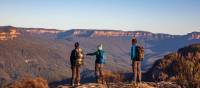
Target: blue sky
{"x": 158, "y": 16}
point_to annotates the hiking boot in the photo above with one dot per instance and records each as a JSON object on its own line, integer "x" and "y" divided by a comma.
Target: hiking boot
{"x": 78, "y": 84}
{"x": 133, "y": 82}
{"x": 97, "y": 80}
{"x": 72, "y": 84}
{"x": 103, "y": 82}
{"x": 139, "y": 83}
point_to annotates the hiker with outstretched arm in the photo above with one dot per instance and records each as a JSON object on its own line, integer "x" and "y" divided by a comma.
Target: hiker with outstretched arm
{"x": 76, "y": 60}
{"x": 99, "y": 62}
{"x": 137, "y": 55}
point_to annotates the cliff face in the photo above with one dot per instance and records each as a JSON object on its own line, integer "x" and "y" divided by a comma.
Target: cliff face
{"x": 194, "y": 35}
{"x": 191, "y": 52}
{"x": 42, "y": 31}
{"x": 8, "y": 33}
{"x": 121, "y": 33}
{"x": 118, "y": 33}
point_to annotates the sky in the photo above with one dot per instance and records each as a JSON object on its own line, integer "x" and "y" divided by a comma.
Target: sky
{"x": 157, "y": 16}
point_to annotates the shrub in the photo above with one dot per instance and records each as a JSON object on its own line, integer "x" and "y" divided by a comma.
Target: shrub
{"x": 113, "y": 76}
{"x": 188, "y": 73}
{"x": 29, "y": 82}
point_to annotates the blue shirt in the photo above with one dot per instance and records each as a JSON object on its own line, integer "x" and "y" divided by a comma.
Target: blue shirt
{"x": 100, "y": 56}
{"x": 133, "y": 52}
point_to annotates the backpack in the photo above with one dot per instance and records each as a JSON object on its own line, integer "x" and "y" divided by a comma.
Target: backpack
{"x": 139, "y": 53}
{"x": 79, "y": 56}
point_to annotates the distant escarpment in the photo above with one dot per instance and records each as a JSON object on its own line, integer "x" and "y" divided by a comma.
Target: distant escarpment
{"x": 8, "y": 33}
{"x": 119, "y": 33}
{"x": 114, "y": 33}
{"x": 194, "y": 35}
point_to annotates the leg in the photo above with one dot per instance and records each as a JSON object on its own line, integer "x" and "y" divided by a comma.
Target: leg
{"x": 96, "y": 72}
{"x": 101, "y": 73}
{"x": 139, "y": 71}
{"x": 134, "y": 70}
{"x": 78, "y": 75}
{"x": 73, "y": 75}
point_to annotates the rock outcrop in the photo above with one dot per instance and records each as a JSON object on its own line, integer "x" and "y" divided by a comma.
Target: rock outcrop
{"x": 181, "y": 67}
{"x": 126, "y": 85}
{"x": 8, "y": 33}
{"x": 191, "y": 51}
{"x": 42, "y": 31}
{"x": 28, "y": 82}
{"x": 194, "y": 35}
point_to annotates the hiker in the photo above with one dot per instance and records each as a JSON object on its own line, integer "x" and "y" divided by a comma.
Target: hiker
{"x": 76, "y": 60}
{"x": 137, "y": 55}
{"x": 99, "y": 62}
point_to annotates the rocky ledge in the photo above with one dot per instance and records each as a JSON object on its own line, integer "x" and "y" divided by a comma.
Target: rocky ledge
{"x": 126, "y": 85}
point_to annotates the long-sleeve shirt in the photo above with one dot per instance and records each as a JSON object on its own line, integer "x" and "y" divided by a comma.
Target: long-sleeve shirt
{"x": 73, "y": 57}
{"x": 100, "y": 56}
{"x": 133, "y": 52}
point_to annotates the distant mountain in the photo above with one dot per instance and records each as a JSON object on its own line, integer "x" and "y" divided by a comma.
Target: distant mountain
{"x": 8, "y": 33}
{"x": 33, "y": 53}
{"x": 45, "y": 52}
{"x": 114, "y": 33}
{"x": 194, "y": 35}
{"x": 119, "y": 33}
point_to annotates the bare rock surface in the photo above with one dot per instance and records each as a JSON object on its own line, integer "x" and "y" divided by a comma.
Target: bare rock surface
{"x": 126, "y": 85}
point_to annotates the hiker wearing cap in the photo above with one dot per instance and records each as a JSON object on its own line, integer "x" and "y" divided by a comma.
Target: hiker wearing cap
{"x": 137, "y": 55}
{"x": 76, "y": 60}
{"x": 99, "y": 62}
